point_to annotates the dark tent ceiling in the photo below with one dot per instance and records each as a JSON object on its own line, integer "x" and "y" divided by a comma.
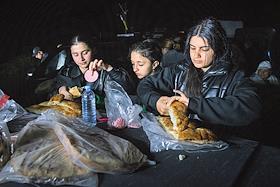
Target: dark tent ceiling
{"x": 38, "y": 22}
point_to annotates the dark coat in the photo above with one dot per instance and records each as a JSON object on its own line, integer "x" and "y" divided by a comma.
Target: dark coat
{"x": 228, "y": 98}
{"x": 172, "y": 57}
{"x": 134, "y": 97}
{"x": 72, "y": 76}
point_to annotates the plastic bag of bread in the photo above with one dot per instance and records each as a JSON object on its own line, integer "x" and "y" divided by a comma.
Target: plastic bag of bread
{"x": 5, "y": 144}
{"x": 9, "y": 109}
{"x": 57, "y": 150}
{"x": 169, "y": 137}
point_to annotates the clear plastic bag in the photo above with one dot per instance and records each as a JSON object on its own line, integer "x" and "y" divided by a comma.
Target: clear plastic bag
{"x": 9, "y": 109}
{"x": 160, "y": 140}
{"x": 121, "y": 112}
{"x": 58, "y": 150}
{"x": 5, "y": 144}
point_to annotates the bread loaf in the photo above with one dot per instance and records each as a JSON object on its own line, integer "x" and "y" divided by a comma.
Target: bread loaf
{"x": 179, "y": 126}
{"x": 57, "y": 103}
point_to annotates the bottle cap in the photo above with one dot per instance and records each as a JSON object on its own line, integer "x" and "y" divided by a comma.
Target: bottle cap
{"x": 87, "y": 87}
{"x": 91, "y": 76}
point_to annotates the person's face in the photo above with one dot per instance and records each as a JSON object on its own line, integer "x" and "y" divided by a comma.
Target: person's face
{"x": 81, "y": 54}
{"x": 264, "y": 73}
{"x": 142, "y": 66}
{"x": 201, "y": 53}
{"x": 39, "y": 55}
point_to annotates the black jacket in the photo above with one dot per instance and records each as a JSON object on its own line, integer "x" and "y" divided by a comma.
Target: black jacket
{"x": 134, "y": 97}
{"x": 71, "y": 75}
{"x": 228, "y": 98}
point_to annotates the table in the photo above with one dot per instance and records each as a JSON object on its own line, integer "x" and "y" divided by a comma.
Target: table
{"x": 244, "y": 163}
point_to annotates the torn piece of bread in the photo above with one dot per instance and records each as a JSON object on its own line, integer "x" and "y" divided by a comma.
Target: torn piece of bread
{"x": 187, "y": 134}
{"x": 76, "y": 91}
{"x": 177, "y": 112}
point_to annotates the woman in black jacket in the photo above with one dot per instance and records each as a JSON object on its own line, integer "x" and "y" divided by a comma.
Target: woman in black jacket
{"x": 213, "y": 90}
{"x": 82, "y": 51}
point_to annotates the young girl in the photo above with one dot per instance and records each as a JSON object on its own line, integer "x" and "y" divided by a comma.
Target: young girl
{"x": 145, "y": 58}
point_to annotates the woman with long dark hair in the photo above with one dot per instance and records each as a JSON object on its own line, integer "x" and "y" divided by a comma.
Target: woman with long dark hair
{"x": 208, "y": 83}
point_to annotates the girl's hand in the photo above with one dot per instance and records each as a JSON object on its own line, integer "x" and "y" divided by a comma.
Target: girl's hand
{"x": 181, "y": 97}
{"x": 98, "y": 65}
{"x": 67, "y": 95}
{"x": 162, "y": 106}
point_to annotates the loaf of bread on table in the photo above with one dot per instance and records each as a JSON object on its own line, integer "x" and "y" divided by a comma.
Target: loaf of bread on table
{"x": 179, "y": 126}
{"x": 57, "y": 103}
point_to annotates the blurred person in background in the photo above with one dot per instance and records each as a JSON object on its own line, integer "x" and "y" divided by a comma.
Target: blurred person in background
{"x": 171, "y": 50}
{"x": 263, "y": 74}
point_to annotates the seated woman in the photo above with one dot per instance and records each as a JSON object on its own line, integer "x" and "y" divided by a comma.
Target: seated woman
{"x": 213, "y": 90}
{"x": 145, "y": 58}
{"x": 82, "y": 51}
{"x": 263, "y": 74}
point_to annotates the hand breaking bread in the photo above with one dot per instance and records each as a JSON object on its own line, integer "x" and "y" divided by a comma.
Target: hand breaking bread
{"x": 57, "y": 103}
{"x": 179, "y": 126}
{"x": 177, "y": 115}
{"x": 76, "y": 91}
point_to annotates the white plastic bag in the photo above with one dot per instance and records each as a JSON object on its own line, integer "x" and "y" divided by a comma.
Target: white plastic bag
{"x": 9, "y": 109}
{"x": 160, "y": 140}
{"x": 121, "y": 112}
{"x": 5, "y": 144}
{"x": 57, "y": 150}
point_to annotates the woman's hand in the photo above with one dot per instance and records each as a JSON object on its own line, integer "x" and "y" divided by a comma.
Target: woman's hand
{"x": 162, "y": 106}
{"x": 98, "y": 65}
{"x": 67, "y": 95}
{"x": 181, "y": 97}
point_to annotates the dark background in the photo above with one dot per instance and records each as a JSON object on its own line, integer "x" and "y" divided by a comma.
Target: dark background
{"x": 47, "y": 22}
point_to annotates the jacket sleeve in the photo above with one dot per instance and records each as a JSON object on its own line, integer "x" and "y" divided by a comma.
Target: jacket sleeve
{"x": 63, "y": 79}
{"x": 122, "y": 77}
{"x": 239, "y": 107}
{"x": 151, "y": 88}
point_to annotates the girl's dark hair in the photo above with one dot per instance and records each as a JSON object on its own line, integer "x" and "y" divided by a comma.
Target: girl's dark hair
{"x": 211, "y": 30}
{"x": 85, "y": 39}
{"x": 148, "y": 48}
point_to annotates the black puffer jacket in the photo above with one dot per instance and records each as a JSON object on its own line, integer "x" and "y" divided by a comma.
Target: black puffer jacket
{"x": 72, "y": 76}
{"x": 228, "y": 98}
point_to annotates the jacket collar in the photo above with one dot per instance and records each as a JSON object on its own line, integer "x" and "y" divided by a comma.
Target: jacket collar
{"x": 219, "y": 69}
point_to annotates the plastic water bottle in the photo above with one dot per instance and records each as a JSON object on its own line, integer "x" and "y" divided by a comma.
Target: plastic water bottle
{"x": 88, "y": 106}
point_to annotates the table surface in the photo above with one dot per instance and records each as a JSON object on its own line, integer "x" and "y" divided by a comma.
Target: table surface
{"x": 244, "y": 163}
